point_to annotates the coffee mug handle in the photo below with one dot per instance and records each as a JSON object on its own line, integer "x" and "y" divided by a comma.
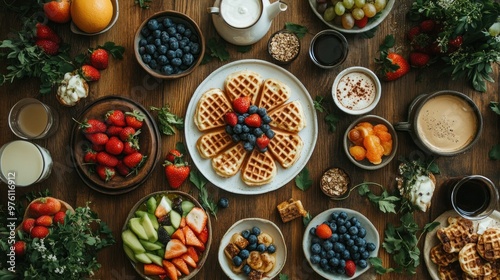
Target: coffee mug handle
{"x": 402, "y": 126}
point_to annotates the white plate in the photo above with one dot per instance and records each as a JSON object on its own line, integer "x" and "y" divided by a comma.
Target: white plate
{"x": 371, "y": 236}
{"x": 431, "y": 239}
{"x": 355, "y": 29}
{"x": 265, "y": 226}
{"x": 309, "y": 134}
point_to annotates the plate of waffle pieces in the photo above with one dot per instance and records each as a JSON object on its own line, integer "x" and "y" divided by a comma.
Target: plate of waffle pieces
{"x": 463, "y": 249}
{"x": 267, "y": 139}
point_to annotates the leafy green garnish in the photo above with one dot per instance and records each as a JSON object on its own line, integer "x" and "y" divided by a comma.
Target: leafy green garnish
{"x": 306, "y": 219}
{"x": 143, "y": 3}
{"x": 243, "y": 49}
{"x": 167, "y": 121}
{"x": 303, "y": 180}
{"x": 216, "y": 48}
{"x": 283, "y": 276}
{"x": 386, "y": 203}
{"x": 299, "y": 30}
{"x": 207, "y": 202}
{"x": 331, "y": 119}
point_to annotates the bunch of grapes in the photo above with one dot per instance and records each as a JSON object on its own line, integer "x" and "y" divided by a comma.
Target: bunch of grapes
{"x": 348, "y": 13}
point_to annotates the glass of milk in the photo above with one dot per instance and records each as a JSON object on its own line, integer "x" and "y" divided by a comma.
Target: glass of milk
{"x": 23, "y": 163}
{"x": 31, "y": 119}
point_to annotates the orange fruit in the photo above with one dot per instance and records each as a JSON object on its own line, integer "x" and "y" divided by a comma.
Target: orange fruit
{"x": 323, "y": 231}
{"x": 91, "y": 16}
{"x": 57, "y": 11}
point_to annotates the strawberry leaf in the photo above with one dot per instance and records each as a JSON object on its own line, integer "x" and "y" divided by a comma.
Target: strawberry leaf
{"x": 303, "y": 180}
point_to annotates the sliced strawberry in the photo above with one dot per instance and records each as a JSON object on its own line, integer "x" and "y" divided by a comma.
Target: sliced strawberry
{"x": 152, "y": 269}
{"x": 189, "y": 261}
{"x": 174, "y": 249}
{"x": 191, "y": 239}
{"x": 254, "y": 120}
{"x": 193, "y": 253}
{"x": 171, "y": 269}
{"x": 203, "y": 235}
{"x": 179, "y": 234}
{"x": 181, "y": 265}
{"x": 197, "y": 219}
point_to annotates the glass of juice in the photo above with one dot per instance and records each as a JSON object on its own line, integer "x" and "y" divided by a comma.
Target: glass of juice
{"x": 31, "y": 119}
{"x": 23, "y": 163}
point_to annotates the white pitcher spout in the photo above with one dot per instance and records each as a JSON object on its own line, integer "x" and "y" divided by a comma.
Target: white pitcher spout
{"x": 275, "y": 8}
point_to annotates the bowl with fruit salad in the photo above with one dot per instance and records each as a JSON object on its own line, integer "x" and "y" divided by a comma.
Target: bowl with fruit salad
{"x": 352, "y": 16}
{"x": 338, "y": 242}
{"x": 252, "y": 248}
{"x": 165, "y": 233}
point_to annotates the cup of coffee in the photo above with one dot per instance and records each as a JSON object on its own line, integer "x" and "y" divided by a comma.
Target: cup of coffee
{"x": 473, "y": 197}
{"x": 328, "y": 49}
{"x": 443, "y": 123}
{"x": 31, "y": 119}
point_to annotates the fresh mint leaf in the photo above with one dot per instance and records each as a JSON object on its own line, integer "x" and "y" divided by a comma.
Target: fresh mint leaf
{"x": 243, "y": 49}
{"x": 431, "y": 226}
{"x": 283, "y": 276}
{"x": 494, "y": 106}
{"x": 385, "y": 202}
{"x": 180, "y": 147}
{"x": 494, "y": 153}
{"x": 167, "y": 121}
{"x": 330, "y": 119}
{"x": 376, "y": 263}
{"x": 332, "y": 122}
{"x": 306, "y": 219}
{"x": 303, "y": 180}
{"x": 217, "y": 49}
{"x": 299, "y": 30}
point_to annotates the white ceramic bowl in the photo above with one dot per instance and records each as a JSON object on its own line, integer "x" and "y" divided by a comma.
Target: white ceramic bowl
{"x": 358, "y": 96}
{"x": 371, "y": 236}
{"x": 265, "y": 226}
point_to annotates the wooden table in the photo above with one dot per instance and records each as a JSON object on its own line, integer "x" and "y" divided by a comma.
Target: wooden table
{"x": 126, "y": 78}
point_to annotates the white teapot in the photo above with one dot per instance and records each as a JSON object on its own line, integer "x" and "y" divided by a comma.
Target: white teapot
{"x": 244, "y": 22}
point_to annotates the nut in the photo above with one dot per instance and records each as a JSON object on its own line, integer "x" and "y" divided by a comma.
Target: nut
{"x": 335, "y": 182}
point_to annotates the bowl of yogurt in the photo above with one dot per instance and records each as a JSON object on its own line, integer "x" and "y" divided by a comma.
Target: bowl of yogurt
{"x": 356, "y": 90}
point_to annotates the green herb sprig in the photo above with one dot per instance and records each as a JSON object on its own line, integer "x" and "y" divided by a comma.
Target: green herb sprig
{"x": 216, "y": 48}
{"x": 143, "y": 3}
{"x": 206, "y": 201}
{"x": 168, "y": 122}
{"x": 298, "y": 29}
{"x": 386, "y": 203}
{"x": 331, "y": 119}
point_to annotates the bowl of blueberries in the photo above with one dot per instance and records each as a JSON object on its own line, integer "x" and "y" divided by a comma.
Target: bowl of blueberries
{"x": 338, "y": 242}
{"x": 169, "y": 45}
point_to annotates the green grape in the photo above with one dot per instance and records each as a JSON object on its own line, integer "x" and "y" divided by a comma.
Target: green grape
{"x": 347, "y": 21}
{"x": 380, "y": 5}
{"x": 329, "y": 14}
{"x": 348, "y": 4}
{"x": 359, "y": 3}
{"x": 339, "y": 8}
{"x": 358, "y": 13}
{"x": 321, "y": 8}
{"x": 369, "y": 10}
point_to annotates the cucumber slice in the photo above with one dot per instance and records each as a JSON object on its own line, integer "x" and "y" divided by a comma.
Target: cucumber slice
{"x": 130, "y": 239}
{"x": 186, "y": 206}
{"x": 150, "y": 246}
{"x": 170, "y": 229}
{"x": 140, "y": 213}
{"x": 155, "y": 259}
{"x": 175, "y": 219}
{"x": 152, "y": 217}
{"x": 129, "y": 252}
{"x": 135, "y": 225}
{"x": 160, "y": 252}
{"x": 149, "y": 228}
{"x": 151, "y": 204}
{"x": 143, "y": 258}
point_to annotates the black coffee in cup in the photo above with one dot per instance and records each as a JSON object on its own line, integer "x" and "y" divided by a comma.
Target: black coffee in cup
{"x": 473, "y": 197}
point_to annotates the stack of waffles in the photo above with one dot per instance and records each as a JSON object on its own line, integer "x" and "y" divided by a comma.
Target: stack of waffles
{"x": 464, "y": 254}
{"x": 229, "y": 157}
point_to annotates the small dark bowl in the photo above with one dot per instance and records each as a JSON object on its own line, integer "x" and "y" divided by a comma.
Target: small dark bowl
{"x": 178, "y": 18}
{"x": 277, "y": 48}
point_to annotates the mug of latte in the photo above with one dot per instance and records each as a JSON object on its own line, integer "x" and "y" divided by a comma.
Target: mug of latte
{"x": 443, "y": 123}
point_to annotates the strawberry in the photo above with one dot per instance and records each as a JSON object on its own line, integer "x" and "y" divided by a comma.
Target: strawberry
{"x": 106, "y": 159}
{"x": 20, "y": 248}
{"x": 133, "y": 160}
{"x": 152, "y": 269}
{"x": 114, "y": 146}
{"x": 350, "y": 268}
{"x": 115, "y": 117}
{"x": 44, "y": 220}
{"x": 171, "y": 270}
{"x": 49, "y": 47}
{"x": 427, "y": 26}
{"x": 191, "y": 239}
{"x": 44, "y": 206}
{"x": 179, "y": 234}
{"x": 395, "y": 66}
{"x": 254, "y": 120}
{"x": 262, "y": 142}
{"x": 181, "y": 265}
{"x": 176, "y": 173}
{"x": 127, "y": 133}
{"x": 114, "y": 130}
{"x": 91, "y": 126}
{"x": 98, "y": 148}
{"x": 131, "y": 146}
{"x": 99, "y": 59}
{"x": 175, "y": 248}
{"x": 189, "y": 261}
{"x": 231, "y": 118}
{"x": 89, "y": 73}
{"x": 28, "y": 224}
{"x": 414, "y": 32}
{"x": 419, "y": 60}
{"x": 323, "y": 231}
{"x": 193, "y": 253}
{"x": 97, "y": 138}
{"x": 122, "y": 168}
{"x": 203, "y": 235}
{"x": 59, "y": 217}
{"x": 173, "y": 154}
{"x": 39, "y": 232}
{"x": 57, "y": 10}
{"x": 362, "y": 22}
{"x": 241, "y": 104}
{"x": 134, "y": 119}
{"x": 106, "y": 173}
{"x": 43, "y": 32}
{"x": 456, "y": 42}
{"x": 197, "y": 219}
{"x": 89, "y": 156}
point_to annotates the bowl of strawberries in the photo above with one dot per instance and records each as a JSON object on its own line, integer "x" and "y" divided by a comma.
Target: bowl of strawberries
{"x": 115, "y": 145}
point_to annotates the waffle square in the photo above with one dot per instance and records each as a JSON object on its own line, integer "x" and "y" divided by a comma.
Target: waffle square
{"x": 458, "y": 233}
{"x": 211, "y": 144}
{"x": 472, "y": 263}
{"x": 229, "y": 162}
{"x": 488, "y": 244}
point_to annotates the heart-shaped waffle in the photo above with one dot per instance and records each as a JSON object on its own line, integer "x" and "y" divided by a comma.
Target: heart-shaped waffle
{"x": 488, "y": 244}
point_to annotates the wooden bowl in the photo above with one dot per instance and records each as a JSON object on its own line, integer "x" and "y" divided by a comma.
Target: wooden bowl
{"x": 178, "y": 18}
{"x": 64, "y": 207}
{"x": 149, "y": 140}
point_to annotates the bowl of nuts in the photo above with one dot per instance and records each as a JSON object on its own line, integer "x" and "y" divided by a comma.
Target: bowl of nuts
{"x": 335, "y": 182}
{"x": 283, "y": 47}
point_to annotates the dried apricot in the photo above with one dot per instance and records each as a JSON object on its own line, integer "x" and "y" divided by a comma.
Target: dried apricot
{"x": 387, "y": 147}
{"x": 364, "y": 130}
{"x": 357, "y": 152}
{"x": 374, "y": 149}
{"x": 355, "y": 136}
{"x": 383, "y": 135}
{"x": 380, "y": 127}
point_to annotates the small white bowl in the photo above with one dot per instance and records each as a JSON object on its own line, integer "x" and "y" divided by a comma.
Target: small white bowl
{"x": 356, "y": 90}
{"x": 265, "y": 226}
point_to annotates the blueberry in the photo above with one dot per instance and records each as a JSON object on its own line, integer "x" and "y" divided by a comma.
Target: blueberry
{"x": 342, "y": 229}
{"x": 334, "y": 262}
{"x": 335, "y": 216}
{"x": 248, "y": 146}
{"x": 229, "y": 129}
{"x": 157, "y": 34}
{"x": 157, "y": 42}
{"x": 355, "y": 256}
{"x": 341, "y": 263}
{"x": 244, "y": 254}
{"x": 146, "y": 58}
{"x": 354, "y": 220}
{"x": 334, "y": 238}
{"x": 171, "y": 54}
{"x": 252, "y": 138}
{"x": 271, "y": 249}
{"x": 178, "y": 36}
{"x": 316, "y": 248}
{"x": 235, "y": 137}
{"x": 340, "y": 221}
{"x": 362, "y": 263}
{"x": 365, "y": 255}
{"x": 167, "y": 69}
{"x": 181, "y": 28}
{"x": 345, "y": 237}
{"x": 327, "y": 245}
{"x": 145, "y": 31}
{"x": 270, "y": 134}
{"x": 323, "y": 262}
{"x": 150, "y": 49}
{"x": 186, "y": 49}
{"x": 262, "y": 112}
{"x": 153, "y": 64}
{"x": 251, "y": 247}
{"x": 241, "y": 119}
{"x": 188, "y": 32}
{"x": 349, "y": 243}
{"x": 246, "y": 269}
{"x": 347, "y": 224}
{"x": 245, "y": 115}
{"x": 252, "y": 239}
{"x": 178, "y": 53}
{"x": 162, "y": 60}
{"x": 346, "y": 255}
{"x": 171, "y": 31}
{"x": 182, "y": 43}
{"x": 245, "y": 128}
{"x": 237, "y": 128}
{"x": 164, "y": 36}
{"x": 330, "y": 254}
{"x": 174, "y": 45}
{"x": 360, "y": 241}
{"x": 252, "y": 109}
{"x": 370, "y": 247}
{"x": 338, "y": 247}
{"x": 142, "y": 50}
{"x": 266, "y": 119}
{"x": 256, "y": 230}
{"x": 361, "y": 232}
{"x": 245, "y": 233}
{"x": 223, "y": 202}
{"x": 258, "y": 132}
{"x": 152, "y": 24}
{"x": 340, "y": 270}
{"x": 237, "y": 260}
{"x": 167, "y": 22}
{"x": 150, "y": 39}
{"x": 194, "y": 38}
{"x": 261, "y": 248}
{"x": 143, "y": 42}
{"x": 162, "y": 49}
{"x": 265, "y": 127}
{"x": 316, "y": 239}
{"x": 362, "y": 249}
{"x": 195, "y": 48}
{"x": 263, "y": 150}
{"x": 176, "y": 61}
{"x": 244, "y": 136}
{"x": 156, "y": 55}
{"x": 315, "y": 259}
{"x": 343, "y": 215}
{"x": 354, "y": 249}
{"x": 353, "y": 230}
